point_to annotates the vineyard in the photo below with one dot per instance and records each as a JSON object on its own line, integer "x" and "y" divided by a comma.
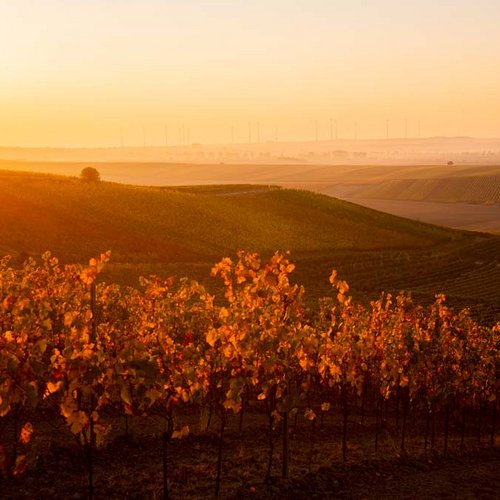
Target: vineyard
{"x": 182, "y": 231}
{"x": 251, "y": 364}
{"x": 469, "y": 275}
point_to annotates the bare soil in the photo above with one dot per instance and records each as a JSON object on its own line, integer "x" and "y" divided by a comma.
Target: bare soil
{"x": 130, "y": 466}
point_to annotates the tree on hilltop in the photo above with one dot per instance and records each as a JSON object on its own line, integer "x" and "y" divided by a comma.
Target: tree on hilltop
{"x": 90, "y": 174}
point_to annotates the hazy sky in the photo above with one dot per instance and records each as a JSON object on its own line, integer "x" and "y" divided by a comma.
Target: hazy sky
{"x": 91, "y": 72}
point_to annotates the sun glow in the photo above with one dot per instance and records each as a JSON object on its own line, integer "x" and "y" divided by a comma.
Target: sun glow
{"x": 108, "y": 72}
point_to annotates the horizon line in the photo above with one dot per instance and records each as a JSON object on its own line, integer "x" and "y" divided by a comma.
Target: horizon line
{"x": 267, "y": 142}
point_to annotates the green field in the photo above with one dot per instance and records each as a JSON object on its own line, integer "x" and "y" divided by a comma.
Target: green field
{"x": 185, "y": 230}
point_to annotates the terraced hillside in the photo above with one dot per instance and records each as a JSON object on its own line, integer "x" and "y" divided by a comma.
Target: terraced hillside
{"x": 184, "y": 231}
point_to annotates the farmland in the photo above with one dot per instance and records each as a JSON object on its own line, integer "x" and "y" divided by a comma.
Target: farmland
{"x": 169, "y": 230}
{"x": 477, "y": 189}
{"x": 477, "y": 217}
{"x": 166, "y": 390}
{"x": 78, "y": 335}
{"x": 184, "y": 230}
{"x": 249, "y": 250}
{"x": 459, "y": 196}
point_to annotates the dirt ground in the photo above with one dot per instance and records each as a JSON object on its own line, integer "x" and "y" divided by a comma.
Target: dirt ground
{"x": 130, "y": 467}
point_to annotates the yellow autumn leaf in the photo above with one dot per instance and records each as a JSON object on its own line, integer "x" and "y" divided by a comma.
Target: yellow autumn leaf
{"x": 20, "y": 465}
{"x": 227, "y": 351}
{"x": 87, "y": 276}
{"x": 343, "y": 287}
{"x": 333, "y": 276}
{"x": 309, "y": 414}
{"x": 125, "y": 395}
{"x": 182, "y": 393}
{"x": 305, "y": 362}
{"x": 231, "y": 404}
{"x": 181, "y": 433}
{"x": 26, "y": 433}
{"x": 51, "y": 388}
{"x": 325, "y": 406}
{"x": 77, "y": 421}
{"x": 68, "y": 318}
{"x": 211, "y": 337}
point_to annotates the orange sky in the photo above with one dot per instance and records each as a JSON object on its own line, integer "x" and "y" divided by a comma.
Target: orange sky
{"x": 103, "y": 72}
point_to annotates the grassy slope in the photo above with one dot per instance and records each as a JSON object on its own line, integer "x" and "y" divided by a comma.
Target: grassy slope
{"x": 75, "y": 220}
{"x": 184, "y": 231}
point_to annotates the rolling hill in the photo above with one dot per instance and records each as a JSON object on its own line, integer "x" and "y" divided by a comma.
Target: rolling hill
{"x": 458, "y": 196}
{"x": 185, "y": 230}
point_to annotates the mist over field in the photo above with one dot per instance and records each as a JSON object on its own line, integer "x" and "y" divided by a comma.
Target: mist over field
{"x": 324, "y": 150}
{"x": 413, "y": 178}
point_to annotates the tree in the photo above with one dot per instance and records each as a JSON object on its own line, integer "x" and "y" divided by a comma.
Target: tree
{"x": 90, "y": 174}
